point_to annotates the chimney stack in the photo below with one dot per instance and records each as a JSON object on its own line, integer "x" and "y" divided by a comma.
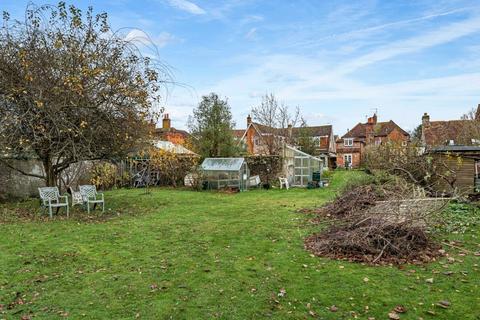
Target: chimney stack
{"x": 249, "y": 120}
{"x": 425, "y": 120}
{"x": 166, "y": 123}
{"x": 372, "y": 120}
{"x": 290, "y": 130}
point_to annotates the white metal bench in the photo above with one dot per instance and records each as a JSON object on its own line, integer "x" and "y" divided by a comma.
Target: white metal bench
{"x": 50, "y": 197}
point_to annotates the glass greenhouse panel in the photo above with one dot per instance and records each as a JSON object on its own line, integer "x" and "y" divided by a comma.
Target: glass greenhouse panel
{"x": 225, "y": 173}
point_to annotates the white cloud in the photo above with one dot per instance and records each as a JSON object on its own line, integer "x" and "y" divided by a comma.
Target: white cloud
{"x": 315, "y": 93}
{"x": 187, "y": 6}
{"x": 369, "y": 32}
{"x": 251, "y": 34}
{"x": 160, "y": 41}
{"x": 429, "y": 39}
{"x": 251, "y": 19}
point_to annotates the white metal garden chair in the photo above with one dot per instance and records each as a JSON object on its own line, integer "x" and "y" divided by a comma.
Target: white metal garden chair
{"x": 76, "y": 197}
{"x": 91, "y": 196}
{"x": 50, "y": 197}
{"x": 284, "y": 182}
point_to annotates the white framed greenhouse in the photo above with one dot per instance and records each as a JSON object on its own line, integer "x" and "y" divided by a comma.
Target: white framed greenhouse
{"x": 222, "y": 173}
{"x": 301, "y": 168}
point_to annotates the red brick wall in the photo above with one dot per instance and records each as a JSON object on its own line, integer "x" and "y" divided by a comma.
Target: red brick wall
{"x": 324, "y": 142}
{"x": 356, "y": 152}
{"x": 397, "y": 136}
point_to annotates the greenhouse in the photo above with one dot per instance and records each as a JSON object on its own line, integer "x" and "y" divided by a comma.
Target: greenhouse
{"x": 222, "y": 173}
{"x": 301, "y": 168}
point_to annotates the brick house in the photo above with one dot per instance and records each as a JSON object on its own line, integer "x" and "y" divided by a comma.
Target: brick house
{"x": 450, "y": 132}
{"x": 256, "y": 135}
{"x": 168, "y": 133}
{"x": 351, "y": 146}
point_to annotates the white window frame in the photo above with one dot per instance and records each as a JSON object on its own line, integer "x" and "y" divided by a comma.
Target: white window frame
{"x": 348, "y": 142}
{"x": 346, "y": 157}
{"x": 378, "y": 141}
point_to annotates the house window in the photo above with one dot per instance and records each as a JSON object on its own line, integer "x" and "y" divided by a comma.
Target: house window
{"x": 378, "y": 141}
{"x": 348, "y": 142}
{"x": 347, "y": 158}
{"x": 256, "y": 141}
{"x": 451, "y": 142}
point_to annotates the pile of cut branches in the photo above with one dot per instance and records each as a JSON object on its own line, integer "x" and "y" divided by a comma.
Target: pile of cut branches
{"x": 361, "y": 230}
{"x": 374, "y": 240}
{"x": 360, "y": 198}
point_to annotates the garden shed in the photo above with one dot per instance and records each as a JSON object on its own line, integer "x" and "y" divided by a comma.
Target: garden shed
{"x": 460, "y": 168}
{"x": 225, "y": 173}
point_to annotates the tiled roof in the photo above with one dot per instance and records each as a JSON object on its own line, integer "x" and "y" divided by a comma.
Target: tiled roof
{"x": 316, "y": 131}
{"x": 173, "y": 148}
{"x": 381, "y": 129}
{"x": 440, "y": 132}
{"x": 239, "y": 133}
{"x": 161, "y": 131}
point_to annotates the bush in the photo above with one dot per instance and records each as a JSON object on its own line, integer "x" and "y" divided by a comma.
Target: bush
{"x": 103, "y": 175}
{"x": 172, "y": 167}
{"x": 267, "y": 167}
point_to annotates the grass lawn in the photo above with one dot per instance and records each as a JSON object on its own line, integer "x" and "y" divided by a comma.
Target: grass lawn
{"x": 176, "y": 254}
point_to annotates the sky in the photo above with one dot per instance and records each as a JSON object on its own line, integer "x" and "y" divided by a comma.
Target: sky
{"x": 339, "y": 61}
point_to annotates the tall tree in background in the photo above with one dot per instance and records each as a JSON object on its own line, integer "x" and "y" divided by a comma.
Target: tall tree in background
{"x": 305, "y": 140}
{"x": 71, "y": 89}
{"x": 212, "y": 128}
{"x": 275, "y": 117}
{"x": 470, "y": 133}
{"x": 416, "y": 134}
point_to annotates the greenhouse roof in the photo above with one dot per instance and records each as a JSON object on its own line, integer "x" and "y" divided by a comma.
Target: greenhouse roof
{"x": 223, "y": 164}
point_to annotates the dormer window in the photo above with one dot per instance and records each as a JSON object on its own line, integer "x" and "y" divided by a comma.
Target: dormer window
{"x": 451, "y": 142}
{"x": 348, "y": 142}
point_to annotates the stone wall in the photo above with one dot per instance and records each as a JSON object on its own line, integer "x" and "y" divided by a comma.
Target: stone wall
{"x": 13, "y": 184}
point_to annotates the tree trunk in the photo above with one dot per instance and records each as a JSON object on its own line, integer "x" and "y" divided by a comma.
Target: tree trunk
{"x": 50, "y": 177}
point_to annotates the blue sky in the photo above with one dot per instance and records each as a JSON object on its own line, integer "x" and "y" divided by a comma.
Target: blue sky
{"x": 338, "y": 60}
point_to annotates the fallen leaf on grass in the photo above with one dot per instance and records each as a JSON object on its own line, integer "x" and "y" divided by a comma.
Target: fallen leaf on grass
{"x": 444, "y": 304}
{"x": 430, "y": 280}
{"x": 393, "y": 316}
{"x": 400, "y": 309}
{"x": 282, "y": 292}
{"x": 333, "y": 309}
